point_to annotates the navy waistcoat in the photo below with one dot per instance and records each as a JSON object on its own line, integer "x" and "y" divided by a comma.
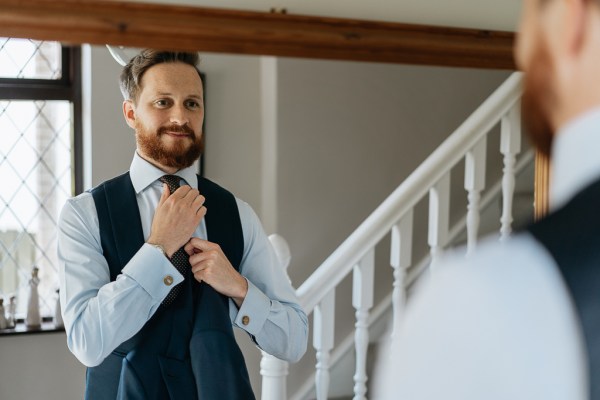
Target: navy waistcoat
{"x": 572, "y": 236}
{"x": 186, "y": 350}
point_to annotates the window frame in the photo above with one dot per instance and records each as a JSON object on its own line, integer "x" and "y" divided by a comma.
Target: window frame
{"x": 67, "y": 88}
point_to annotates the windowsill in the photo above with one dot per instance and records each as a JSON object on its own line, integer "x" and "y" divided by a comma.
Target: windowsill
{"x": 21, "y": 329}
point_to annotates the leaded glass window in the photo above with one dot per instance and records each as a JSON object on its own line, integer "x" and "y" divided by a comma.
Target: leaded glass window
{"x": 39, "y": 137}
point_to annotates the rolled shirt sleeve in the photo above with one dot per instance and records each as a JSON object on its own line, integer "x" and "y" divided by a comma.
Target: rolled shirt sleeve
{"x": 99, "y": 314}
{"x": 270, "y": 313}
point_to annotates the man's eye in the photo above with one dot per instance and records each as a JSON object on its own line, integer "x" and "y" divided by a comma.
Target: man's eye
{"x": 193, "y": 104}
{"x": 161, "y": 103}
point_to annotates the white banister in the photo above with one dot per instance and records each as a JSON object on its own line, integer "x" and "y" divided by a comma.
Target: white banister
{"x": 339, "y": 264}
{"x": 510, "y": 146}
{"x": 439, "y": 217}
{"x": 362, "y": 301}
{"x": 323, "y": 333}
{"x": 417, "y": 267}
{"x": 395, "y": 215}
{"x": 474, "y": 184}
{"x": 400, "y": 259}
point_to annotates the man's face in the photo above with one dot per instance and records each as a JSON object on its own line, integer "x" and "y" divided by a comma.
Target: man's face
{"x": 533, "y": 57}
{"x": 168, "y": 115}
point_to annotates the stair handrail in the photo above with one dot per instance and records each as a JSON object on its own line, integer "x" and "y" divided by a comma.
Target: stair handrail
{"x": 379, "y": 223}
{"x": 379, "y": 311}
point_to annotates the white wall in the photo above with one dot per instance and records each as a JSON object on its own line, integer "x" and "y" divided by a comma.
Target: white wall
{"x": 480, "y": 14}
{"x": 347, "y": 134}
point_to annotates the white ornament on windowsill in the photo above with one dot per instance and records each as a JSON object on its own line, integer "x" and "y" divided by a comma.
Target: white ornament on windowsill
{"x": 3, "y": 321}
{"x": 12, "y": 309}
{"x": 33, "y": 319}
{"x": 58, "y": 321}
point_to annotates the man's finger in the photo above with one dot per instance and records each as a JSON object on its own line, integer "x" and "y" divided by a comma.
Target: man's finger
{"x": 201, "y": 244}
{"x": 165, "y": 194}
{"x": 189, "y": 247}
{"x": 182, "y": 191}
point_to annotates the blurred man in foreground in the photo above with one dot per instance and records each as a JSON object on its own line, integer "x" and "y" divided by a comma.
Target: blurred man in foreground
{"x": 521, "y": 319}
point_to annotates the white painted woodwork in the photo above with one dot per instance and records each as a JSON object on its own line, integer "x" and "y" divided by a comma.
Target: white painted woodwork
{"x": 362, "y": 301}
{"x": 510, "y": 146}
{"x": 282, "y": 250}
{"x": 474, "y": 184}
{"x": 274, "y": 373}
{"x": 269, "y": 101}
{"x": 400, "y": 260}
{"x": 273, "y": 370}
{"x": 439, "y": 214}
{"x": 323, "y": 333}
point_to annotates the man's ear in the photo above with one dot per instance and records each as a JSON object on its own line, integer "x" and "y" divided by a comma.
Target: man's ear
{"x": 129, "y": 113}
{"x": 581, "y": 11}
{"x": 574, "y": 25}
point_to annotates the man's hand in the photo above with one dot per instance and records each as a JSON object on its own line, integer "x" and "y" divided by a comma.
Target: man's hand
{"x": 210, "y": 265}
{"x": 176, "y": 218}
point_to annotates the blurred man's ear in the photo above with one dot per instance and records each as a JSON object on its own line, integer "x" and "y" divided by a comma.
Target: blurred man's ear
{"x": 577, "y": 13}
{"x": 565, "y": 24}
{"x": 129, "y": 113}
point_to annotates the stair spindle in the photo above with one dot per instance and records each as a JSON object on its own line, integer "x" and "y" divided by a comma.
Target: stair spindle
{"x": 510, "y": 146}
{"x": 400, "y": 260}
{"x": 474, "y": 184}
{"x": 439, "y": 213}
{"x": 362, "y": 301}
{"x": 324, "y": 317}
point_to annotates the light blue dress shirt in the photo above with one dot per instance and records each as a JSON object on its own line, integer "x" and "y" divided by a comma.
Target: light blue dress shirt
{"x": 99, "y": 314}
{"x": 500, "y": 324}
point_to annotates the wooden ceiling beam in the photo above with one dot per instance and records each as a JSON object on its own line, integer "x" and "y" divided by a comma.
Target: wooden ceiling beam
{"x": 245, "y": 32}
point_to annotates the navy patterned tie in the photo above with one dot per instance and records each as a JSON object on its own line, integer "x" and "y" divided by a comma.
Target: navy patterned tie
{"x": 180, "y": 259}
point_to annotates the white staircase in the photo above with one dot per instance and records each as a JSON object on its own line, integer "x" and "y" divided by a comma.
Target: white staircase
{"x": 356, "y": 255}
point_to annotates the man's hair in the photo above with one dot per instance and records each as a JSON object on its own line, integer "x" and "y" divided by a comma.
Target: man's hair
{"x": 132, "y": 73}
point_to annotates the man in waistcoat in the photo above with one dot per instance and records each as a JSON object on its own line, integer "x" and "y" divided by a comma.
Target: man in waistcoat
{"x": 158, "y": 264}
{"x": 520, "y": 320}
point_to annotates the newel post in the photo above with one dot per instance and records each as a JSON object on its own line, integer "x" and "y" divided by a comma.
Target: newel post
{"x": 273, "y": 370}
{"x": 274, "y": 373}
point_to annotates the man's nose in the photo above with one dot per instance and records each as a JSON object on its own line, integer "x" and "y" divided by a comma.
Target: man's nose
{"x": 179, "y": 115}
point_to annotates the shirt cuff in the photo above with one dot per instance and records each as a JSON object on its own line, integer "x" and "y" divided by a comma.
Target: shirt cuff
{"x": 153, "y": 272}
{"x": 254, "y": 311}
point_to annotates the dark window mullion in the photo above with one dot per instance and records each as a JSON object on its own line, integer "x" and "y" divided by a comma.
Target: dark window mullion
{"x": 25, "y": 91}
{"x": 76, "y": 99}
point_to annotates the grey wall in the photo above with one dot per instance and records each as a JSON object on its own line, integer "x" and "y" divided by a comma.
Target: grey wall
{"x": 347, "y": 134}
{"x": 39, "y": 366}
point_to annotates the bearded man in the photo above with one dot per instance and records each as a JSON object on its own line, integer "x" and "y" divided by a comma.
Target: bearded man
{"x": 158, "y": 264}
{"x": 521, "y": 319}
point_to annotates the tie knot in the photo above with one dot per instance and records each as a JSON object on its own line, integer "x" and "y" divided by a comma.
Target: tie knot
{"x": 173, "y": 181}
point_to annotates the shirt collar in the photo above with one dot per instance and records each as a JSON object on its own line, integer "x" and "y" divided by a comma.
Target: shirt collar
{"x": 575, "y": 161}
{"x": 143, "y": 174}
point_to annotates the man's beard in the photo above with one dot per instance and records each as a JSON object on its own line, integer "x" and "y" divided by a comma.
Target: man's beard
{"x": 179, "y": 155}
{"x": 539, "y": 99}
